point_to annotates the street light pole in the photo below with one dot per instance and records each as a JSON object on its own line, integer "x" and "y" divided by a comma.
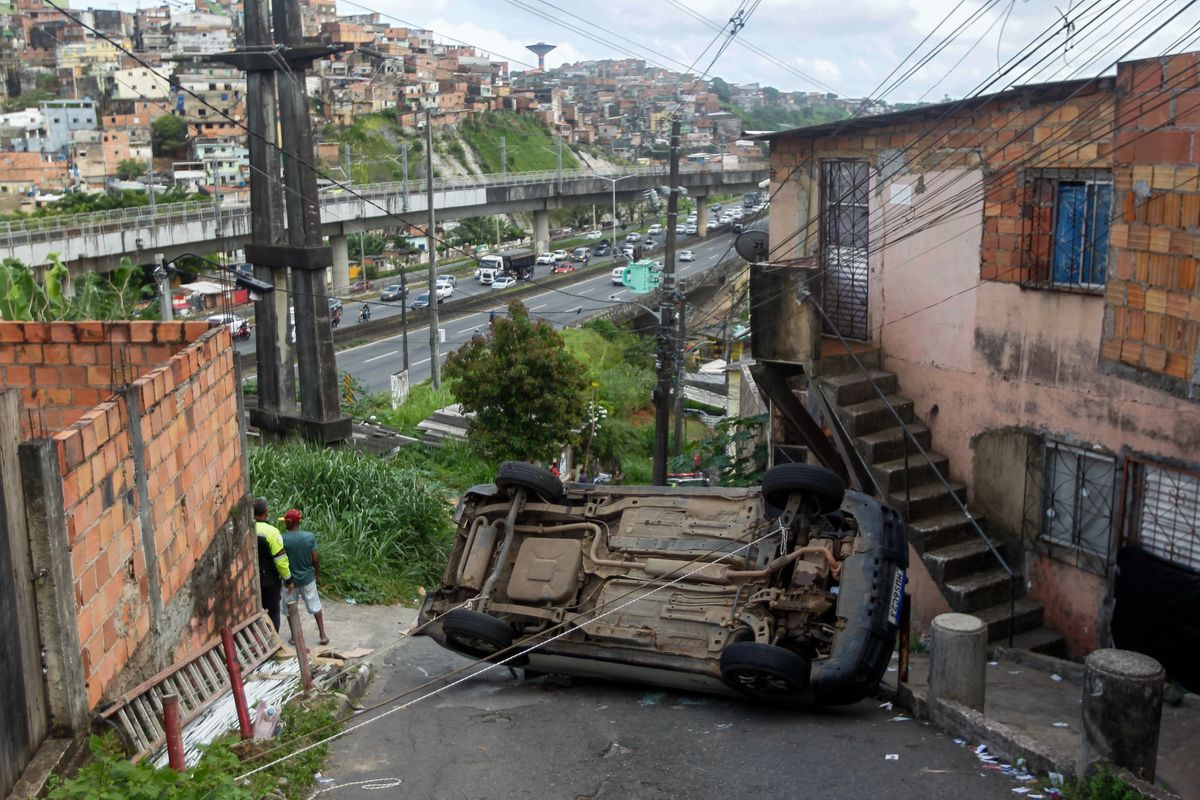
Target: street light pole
{"x": 435, "y": 371}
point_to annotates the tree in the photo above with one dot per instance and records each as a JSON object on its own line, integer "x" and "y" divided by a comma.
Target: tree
{"x": 169, "y": 135}
{"x": 722, "y": 90}
{"x": 770, "y": 95}
{"x": 119, "y": 294}
{"x": 129, "y": 169}
{"x": 482, "y": 230}
{"x": 526, "y": 390}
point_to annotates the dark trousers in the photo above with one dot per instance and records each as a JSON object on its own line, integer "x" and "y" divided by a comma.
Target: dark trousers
{"x": 271, "y": 595}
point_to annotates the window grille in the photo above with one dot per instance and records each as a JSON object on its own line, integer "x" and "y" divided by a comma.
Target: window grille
{"x": 1163, "y": 512}
{"x": 1065, "y": 218}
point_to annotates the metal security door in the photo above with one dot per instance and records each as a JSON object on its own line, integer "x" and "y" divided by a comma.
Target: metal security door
{"x": 845, "y": 239}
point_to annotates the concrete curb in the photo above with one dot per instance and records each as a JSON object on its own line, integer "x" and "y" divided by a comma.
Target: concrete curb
{"x": 50, "y": 755}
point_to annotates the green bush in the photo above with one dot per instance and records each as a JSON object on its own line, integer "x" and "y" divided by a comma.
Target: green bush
{"x": 382, "y": 528}
{"x": 110, "y": 776}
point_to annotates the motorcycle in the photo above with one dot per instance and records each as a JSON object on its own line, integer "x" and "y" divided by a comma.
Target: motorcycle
{"x": 242, "y": 333}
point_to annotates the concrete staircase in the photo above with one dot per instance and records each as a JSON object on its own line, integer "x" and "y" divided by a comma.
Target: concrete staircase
{"x": 970, "y": 577}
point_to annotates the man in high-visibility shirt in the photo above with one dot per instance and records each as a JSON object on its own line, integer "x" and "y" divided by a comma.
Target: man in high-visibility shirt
{"x": 273, "y": 567}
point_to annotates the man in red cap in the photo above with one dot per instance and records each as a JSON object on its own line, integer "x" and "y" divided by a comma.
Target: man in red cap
{"x": 301, "y": 547}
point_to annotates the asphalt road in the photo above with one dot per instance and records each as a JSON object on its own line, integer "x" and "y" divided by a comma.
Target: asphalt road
{"x": 374, "y": 363}
{"x": 495, "y": 736}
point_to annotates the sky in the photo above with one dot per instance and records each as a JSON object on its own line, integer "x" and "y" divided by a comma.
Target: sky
{"x": 848, "y": 47}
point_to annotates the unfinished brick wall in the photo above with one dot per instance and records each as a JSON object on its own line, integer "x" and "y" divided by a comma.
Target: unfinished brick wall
{"x": 153, "y": 486}
{"x": 1064, "y": 126}
{"x": 1152, "y": 306}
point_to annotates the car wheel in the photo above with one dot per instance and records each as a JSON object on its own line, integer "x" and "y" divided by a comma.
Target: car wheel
{"x": 765, "y": 671}
{"x": 514, "y": 474}
{"x": 479, "y": 635}
{"x": 815, "y": 482}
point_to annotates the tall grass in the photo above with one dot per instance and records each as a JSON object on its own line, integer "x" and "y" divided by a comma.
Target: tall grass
{"x": 383, "y": 528}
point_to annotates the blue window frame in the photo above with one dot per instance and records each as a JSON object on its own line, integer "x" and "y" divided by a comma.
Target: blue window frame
{"x": 1081, "y": 219}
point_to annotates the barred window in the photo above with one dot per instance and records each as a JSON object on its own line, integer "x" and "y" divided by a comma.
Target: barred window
{"x": 1164, "y": 512}
{"x": 1065, "y": 217}
{"x": 1077, "y": 497}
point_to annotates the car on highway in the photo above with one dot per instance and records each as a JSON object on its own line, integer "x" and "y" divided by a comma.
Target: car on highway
{"x": 633, "y": 237}
{"x": 422, "y": 301}
{"x": 562, "y": 267}
{"x": 334, "y": 305}
{"x": 629, "y": 252}
{"x": 444, "y": 289}
{"x": 690, "y": 229}
{"x": 545, "y": 258}
{"x": 450, "y": 279}
{"x": 691, "y": 218}
{"x": 560, "y": 255}
{"x": 687, "y": 255}
{"x": 655, "y": 228}
{"x": 680, "y": 229}
{"x": 618, "y": 276}
{"x": 594, "y": 234}
{"x": 393, "y": 292}
{"x": 504, "y": 282}
{"x": 581, "y": 255}
{"x": 233, "y": 321}
{"x": 712, "y": 225}
{"x": 601, "y": 250}
{"x": 789, "y": 592}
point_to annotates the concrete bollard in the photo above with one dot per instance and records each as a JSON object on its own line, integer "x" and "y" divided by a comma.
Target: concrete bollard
{"x": 958, "y": 660}
{"x": 1122, "y": 706}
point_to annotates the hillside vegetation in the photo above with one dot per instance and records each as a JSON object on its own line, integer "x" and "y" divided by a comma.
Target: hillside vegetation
{"x": 376, "y": 141}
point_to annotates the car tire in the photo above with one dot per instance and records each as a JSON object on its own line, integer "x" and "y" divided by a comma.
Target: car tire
{"x": 479, "y": 636}
{"x": 816, "y": 482}
{"x": 764, "y": 671}
{"x": 514, "y": 474}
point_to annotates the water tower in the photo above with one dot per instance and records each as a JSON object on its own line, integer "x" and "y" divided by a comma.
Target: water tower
{"x": 541, "y": 48}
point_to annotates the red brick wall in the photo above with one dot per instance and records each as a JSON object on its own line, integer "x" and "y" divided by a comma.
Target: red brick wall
{"x": 1152, "y": 313}
{"x": 183, "y": 379}
{"x": 1051, "y": 130}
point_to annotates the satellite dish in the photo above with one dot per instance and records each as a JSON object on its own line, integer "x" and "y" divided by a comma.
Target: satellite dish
{"x": 752, "y": 245}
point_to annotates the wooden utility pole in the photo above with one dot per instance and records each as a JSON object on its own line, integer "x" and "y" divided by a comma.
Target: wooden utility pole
{"x": 435, "y": 365}
{"x": 666, "y": 348}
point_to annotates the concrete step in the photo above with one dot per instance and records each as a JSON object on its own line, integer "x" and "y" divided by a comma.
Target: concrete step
{"x": 1027, "y": 616}
{"x": 870, "y": 416}
{"x": 969, "y": 593}
{"x": 841, "y": 363}
{"x": 854, "y": 387}
{"x": 957, "y": 560}
{"x": 1046, "y": 641}
{"x": 886, "y": 444}
{"x": 927, "y": 499}
{"x": 890, "y": 475}
{"x": 942, "y": 530}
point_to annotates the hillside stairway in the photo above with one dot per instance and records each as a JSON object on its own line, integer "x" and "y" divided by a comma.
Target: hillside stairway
{"x": 970, "y": 577}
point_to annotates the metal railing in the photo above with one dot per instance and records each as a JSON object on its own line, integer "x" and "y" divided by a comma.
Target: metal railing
{"x": 26, "y": 231}
{"x": 907, "y": 437}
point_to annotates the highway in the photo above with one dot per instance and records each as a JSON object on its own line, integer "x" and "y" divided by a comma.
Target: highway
{"x": 374, "y": 363}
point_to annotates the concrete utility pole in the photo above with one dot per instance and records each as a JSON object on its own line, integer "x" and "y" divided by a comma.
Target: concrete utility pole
{"x": 666, "y": 349}
{"x": 272, "y": 343}
{"x": 677, "y": 447}
{"x": 300, "y": 250}
{"x": 435, "y": 366}
{"x": 163, "y": 278}
{"x": 404, "y": 162}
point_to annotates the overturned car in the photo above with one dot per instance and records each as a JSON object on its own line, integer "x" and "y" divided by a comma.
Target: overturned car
{"x": 789, "y": 592}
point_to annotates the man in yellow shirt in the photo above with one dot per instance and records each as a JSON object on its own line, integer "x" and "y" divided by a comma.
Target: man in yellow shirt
{"x": 273, "y": 567}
